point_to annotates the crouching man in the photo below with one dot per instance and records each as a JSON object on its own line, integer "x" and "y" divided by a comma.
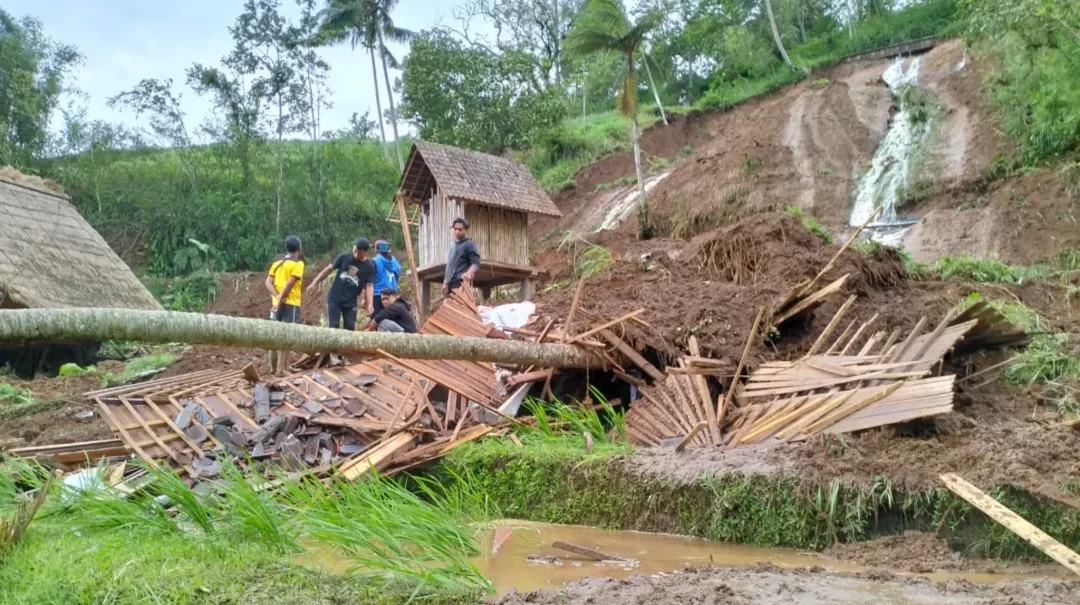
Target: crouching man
{"x": 395, "y": 316}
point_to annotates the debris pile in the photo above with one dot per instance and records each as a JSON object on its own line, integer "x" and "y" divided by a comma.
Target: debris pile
{"x": 862, "y": 380}
{"x": 353, "y": 418}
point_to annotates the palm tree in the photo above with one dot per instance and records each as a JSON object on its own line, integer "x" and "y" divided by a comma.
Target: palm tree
{"x": 383, "y": 28}
{"x": 602, "y": 27}
{"x": 776, "y": 33}
{"x": 368, "y": 23}
{"x": 349, "y": 20}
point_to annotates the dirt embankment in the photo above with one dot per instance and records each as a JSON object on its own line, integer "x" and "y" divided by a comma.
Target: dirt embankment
{"x": 770, "y": 585}
{"x": 807, "y": 146}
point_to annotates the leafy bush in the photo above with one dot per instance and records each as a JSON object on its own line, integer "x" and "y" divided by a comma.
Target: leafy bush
{"x": 1035, "y": 89}
{"x": 191, "y": 293}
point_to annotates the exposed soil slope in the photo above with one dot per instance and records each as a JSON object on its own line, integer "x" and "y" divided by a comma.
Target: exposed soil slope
{"x": 808, "y": 144}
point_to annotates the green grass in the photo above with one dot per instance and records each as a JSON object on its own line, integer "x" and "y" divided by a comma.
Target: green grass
{"x": 179, "y": 545}
{"x": 557, "y": 155}
{"x": 1061, "y": 267}
{"x": 812, "y": 225}
{"x": 15, "y": 401}
{"x": 1048, "y": 360}
{"x": 133, "y": 368}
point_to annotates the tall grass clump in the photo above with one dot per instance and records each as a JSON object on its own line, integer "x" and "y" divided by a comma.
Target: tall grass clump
{"x": 588, "y": 258}
{"x": 249, "y": 512}
{"x": 558, "y": 423}
{"x": 392, "y": 534}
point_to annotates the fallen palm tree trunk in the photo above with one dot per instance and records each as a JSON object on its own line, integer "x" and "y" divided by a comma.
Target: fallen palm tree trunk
{"x": 194, "y": 328}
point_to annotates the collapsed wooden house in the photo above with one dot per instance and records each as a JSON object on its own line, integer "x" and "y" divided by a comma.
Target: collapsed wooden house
{"x": 494, "y": 194}
{"x": 54, "y": 259}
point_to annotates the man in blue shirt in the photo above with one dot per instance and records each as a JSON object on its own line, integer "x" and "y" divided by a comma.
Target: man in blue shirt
{"x": 387, "y": 272}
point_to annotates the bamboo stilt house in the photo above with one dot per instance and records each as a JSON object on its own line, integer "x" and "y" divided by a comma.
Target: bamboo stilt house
{"x": 494, "y": 194}
{"x": 53, "y": 259}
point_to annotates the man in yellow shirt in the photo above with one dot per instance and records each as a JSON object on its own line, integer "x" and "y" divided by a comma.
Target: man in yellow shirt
{"x": 285, "y": 284}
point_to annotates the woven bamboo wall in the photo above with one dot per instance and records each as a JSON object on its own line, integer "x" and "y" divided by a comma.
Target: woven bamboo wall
{"x": 501, "y": 235}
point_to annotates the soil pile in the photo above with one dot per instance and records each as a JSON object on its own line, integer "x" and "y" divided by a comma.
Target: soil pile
{"x": 64, "y": 418}
{"x": 770, "y": 585}
{"x": 913, "y": 551}
{"x": 710, "y": 287}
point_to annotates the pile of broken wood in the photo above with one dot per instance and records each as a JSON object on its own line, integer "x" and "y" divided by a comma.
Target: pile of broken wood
{"x": 863, "y": 379}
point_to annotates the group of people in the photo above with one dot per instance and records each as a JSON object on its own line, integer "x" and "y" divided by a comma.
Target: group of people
{"x": 372, "y": 282}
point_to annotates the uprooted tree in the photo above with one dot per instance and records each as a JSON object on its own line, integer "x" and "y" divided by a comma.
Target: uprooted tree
{"x": 52, "y": 325}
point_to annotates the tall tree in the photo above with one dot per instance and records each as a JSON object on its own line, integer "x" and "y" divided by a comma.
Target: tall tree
{"x": 312, "y": 73}
{"x": 347, "y": 20}
{"x": 382, "y": 25}
{"x": 776, "y": 32}
{"x": 536, "y": 29}
{"x": 264, "y": 54}
{"x": 32, "y": 73}
{"x": 368, "y": 23}
{"x": 603, "y": 26}
{"x": 490, "y": 106}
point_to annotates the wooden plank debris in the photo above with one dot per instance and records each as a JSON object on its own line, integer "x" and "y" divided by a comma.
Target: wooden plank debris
{"x": 1014, "y": 522}
{"x": 588, "y": 553}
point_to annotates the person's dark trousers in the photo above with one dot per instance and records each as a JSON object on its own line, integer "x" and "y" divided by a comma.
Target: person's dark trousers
{"x": 376, "y": 304}
{"x": 339, "y": 313}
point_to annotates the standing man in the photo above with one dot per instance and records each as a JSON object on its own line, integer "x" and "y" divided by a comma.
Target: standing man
{"x": 395, "y": 316}
{"x": 285, "y": 284}
{"x": 387, "y": 272}
{"x": 464, "y": 259}
{"x": 355, "y": 278}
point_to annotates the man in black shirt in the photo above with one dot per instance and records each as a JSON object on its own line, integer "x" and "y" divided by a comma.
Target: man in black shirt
{"x": 355, "y": 277}
{"x": 395, "y": 315}
{"x": 463, "y": 261}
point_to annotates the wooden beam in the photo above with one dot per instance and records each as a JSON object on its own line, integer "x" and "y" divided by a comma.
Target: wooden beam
{"x": 420, "y": 310}
{"x": 706, "y": 397}
{"x": 632, "y": 355}
{"x": 722, "y": 408}
{"x": 588, "y": 553}
{"x": 1014, "y": 522}
{"x": 606, "y": 325}
{"x": 690, "y": 436}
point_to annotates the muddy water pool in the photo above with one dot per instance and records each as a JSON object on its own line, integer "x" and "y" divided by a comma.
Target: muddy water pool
{"x": 519, "y": 555}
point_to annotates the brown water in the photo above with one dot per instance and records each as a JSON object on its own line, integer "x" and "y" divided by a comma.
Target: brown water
{"x": 524, "y": 558}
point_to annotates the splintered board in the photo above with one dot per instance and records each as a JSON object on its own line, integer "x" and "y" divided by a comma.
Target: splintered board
{"x": 1014, "y": 522}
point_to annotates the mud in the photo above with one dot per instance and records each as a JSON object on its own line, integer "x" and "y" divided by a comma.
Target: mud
{"x": 923, "y": 553}
{"x": 64, "y": 418}
{"x": 769, "y": 585}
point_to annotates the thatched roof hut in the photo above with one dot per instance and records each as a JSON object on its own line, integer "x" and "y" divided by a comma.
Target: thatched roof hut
{"x": 495, "y": 194}
{"x": 52, "y": 258}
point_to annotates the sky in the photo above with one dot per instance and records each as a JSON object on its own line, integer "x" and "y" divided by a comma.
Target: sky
{"x": 125, "y": 41}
